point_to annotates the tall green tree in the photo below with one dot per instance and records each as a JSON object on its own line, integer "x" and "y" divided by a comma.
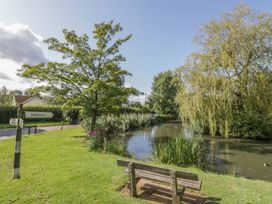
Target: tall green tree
{"x": 164, "y": 90}
{"x": 89, "y": 76}
{"x": 5, "y": 96}
{"x": 227, "y": 85}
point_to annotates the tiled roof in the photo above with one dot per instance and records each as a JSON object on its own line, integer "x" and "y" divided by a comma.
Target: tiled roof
{"x": 21, "y": 99}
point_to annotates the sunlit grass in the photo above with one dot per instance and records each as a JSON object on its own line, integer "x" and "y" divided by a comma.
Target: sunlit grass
{"x": 58, "y": 168}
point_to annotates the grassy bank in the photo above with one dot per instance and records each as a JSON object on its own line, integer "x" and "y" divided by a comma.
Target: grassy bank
{"x": 57, "y": 168}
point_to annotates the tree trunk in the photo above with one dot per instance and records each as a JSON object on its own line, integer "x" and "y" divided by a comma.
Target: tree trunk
{"x": 94, "y": 114}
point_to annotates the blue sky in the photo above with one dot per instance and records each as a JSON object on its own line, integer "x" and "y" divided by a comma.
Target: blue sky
{"x": 162, "y": 30}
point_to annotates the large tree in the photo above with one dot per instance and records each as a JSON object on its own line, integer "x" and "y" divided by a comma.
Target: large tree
{"x": 89, "y": 76}
{"x": 227, "y": 85}
{"x": 164, "y": 90}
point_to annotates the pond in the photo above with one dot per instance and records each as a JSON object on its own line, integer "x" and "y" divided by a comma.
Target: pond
{"x": 239, "y": 157}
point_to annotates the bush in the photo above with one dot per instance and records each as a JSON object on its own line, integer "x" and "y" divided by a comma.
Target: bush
{"x": 178, "y": 150}
{"x": 162, "y": 118}
{"x": 7, "y": 112}
{"x": 254, "y": 126}
{"x": 115, "y": 124}
{"x": 114, "y": 147}
{"x": 72, "y": 115}
{"x": 95, "y": 144}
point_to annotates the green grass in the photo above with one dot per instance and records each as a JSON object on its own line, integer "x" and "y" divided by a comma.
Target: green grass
{"x": 58, "y": 168}
{"x": 40, "y": 123}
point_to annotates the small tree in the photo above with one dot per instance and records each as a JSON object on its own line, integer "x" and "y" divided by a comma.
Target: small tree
{"x": 5, "y": 96}
{"x": 90, "y": 77}
{"x": 164, "y": 90}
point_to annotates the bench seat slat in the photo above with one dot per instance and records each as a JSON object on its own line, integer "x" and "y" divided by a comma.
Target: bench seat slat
{"x": 158, "y": 170}
{"x": 183, "y": 183}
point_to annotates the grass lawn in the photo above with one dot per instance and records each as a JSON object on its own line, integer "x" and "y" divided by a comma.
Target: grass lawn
{"x": 58, "y": 168}
{"x": 40, "y": 123}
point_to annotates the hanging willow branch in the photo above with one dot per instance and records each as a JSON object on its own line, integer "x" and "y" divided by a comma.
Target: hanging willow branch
{"x": 227, "y": 86}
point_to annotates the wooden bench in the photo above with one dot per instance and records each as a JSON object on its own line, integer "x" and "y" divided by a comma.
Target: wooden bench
{"x": 179, "y": 180}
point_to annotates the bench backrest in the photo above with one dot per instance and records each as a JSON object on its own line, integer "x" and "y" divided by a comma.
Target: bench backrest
{"x": 163, "y": 171}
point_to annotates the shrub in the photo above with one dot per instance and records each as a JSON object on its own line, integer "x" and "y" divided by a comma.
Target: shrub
{"x": 72, "y": 115}
{"x": 252, "y": 126}
{"x": 7, "y": 112}
{"x": 135, "y": 121}
{"x": 115, "y": 124}
{"x": 162, "y": 118}
{"x": 106, "y": 126}
{"x": 114, "y": 147}
{"x": 180, "y": 151}
{"x": 95, "y": 144}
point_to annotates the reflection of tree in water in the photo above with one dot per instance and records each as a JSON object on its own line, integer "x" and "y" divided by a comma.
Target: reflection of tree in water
{"x": 215, "y": 157}
{"x": 231, "y": 156}
{"x": 168, "y": 130}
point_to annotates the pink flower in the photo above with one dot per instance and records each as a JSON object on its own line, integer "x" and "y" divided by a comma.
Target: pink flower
{"x": 92, "y": 134}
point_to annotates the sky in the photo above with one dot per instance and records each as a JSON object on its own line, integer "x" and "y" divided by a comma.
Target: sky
{"x": 162, "y": 31}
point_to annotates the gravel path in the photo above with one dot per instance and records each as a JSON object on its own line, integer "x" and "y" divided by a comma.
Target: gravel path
{"x": 6, "y": 133}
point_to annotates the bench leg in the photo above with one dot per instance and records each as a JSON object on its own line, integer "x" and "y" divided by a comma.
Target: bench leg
{"x": 132, "y": 180}
{"x": 137, "y": 180}
{"x": 176, "y": 197}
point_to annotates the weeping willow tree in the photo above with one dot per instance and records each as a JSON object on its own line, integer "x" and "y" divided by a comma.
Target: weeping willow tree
{"x": 227, "y": 84}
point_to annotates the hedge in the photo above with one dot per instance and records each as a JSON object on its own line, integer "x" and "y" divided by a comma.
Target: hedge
{"x": 7, "y": 112}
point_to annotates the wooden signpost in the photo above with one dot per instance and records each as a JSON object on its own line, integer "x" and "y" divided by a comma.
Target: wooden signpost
{"x": 17, "y": 152}
{"x": 15, "y": 121}
{"x": 19, "y": 123}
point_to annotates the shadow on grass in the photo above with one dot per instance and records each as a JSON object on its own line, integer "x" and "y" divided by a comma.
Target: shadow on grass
{"x": 156, "y": 193}
{"x": 80, "y": 136}
{"x": 212, "y": 200}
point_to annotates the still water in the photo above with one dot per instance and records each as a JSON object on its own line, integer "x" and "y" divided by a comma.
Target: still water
{"x": 239, "y": 157}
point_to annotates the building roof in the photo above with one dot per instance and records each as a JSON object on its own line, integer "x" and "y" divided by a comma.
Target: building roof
{"x": 21, "y": 99}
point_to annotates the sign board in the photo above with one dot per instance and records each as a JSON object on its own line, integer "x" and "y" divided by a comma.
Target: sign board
{"x": 14, "y": 121}
{"x": 32, "y": 114}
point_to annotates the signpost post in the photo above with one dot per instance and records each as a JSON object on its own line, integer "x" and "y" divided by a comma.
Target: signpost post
{"x": 19, "y": 123}
{"x": 17, "y": 152}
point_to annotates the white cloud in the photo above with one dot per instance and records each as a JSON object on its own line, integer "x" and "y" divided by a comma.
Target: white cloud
{"x": 20, "y": 44}
{"x": 4, "y": 77}
{"x": 8, "y": 69}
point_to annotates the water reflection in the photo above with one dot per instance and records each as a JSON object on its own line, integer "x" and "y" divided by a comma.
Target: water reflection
{"x": 233, "y": 156}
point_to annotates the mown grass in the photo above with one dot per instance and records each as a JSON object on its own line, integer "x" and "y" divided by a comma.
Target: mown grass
{"x": 58, "y": 168}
